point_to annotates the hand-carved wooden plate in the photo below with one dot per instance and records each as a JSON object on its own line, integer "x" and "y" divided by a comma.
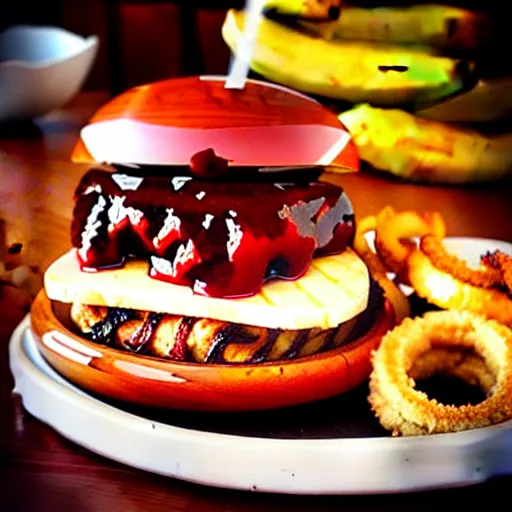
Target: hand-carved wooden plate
{"x": 167, "y": 122}
{"x": 154, "y": 382}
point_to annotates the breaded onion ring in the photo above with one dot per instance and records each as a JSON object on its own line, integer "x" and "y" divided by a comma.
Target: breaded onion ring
{"x": 395, "y": 230}
{"x": 502, "y": 263}
{"x": 487, "y": 277}
{"x": 445, "y": 291}
{"x": 406, "y": 411}
{"x": 377, "y": 269}
{"x": 436, "y": 224}
{"x": 372, "y": 260}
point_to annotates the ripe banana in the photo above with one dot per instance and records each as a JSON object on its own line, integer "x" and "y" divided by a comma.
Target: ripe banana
{"x": 440, "y": 26}
{"x": 426, "y": 151}
{"x": 308, "y": 9}
{"x": 378, "y": 73}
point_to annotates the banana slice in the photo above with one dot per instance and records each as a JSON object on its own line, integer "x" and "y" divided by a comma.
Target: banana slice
{"x": 334, "y": 290}
{"x": 418, "y": 149}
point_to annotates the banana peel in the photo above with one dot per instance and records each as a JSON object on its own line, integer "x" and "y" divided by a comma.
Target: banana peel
{"x": 353, "y": 71}
{"x": 421, "y": 150}
{"x": 440, "y": 26}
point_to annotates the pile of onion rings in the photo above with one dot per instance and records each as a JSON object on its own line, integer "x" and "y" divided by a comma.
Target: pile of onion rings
{"x": 393, "y": 245}
{"x": 395, "y": 230}
{"x": 410, "y": 245}
{"x": 471, "y": 339}
{"x": 459, "y": 343}
{"x": 378, "y": 269}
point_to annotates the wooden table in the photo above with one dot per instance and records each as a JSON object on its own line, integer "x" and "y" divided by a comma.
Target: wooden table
{"x": 42, "y": 471}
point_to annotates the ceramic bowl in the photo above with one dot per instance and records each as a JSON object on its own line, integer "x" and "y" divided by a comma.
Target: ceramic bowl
{"x": 41, "y": 69}
{"x": 154, "y": 382}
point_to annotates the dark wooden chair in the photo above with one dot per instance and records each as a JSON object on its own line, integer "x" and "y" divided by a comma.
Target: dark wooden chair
{"x": 191, "y": 59}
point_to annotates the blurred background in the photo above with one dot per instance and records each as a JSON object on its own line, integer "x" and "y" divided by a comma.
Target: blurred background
{"x": 140, "y": 40}
{"x": 146, "y": 40}
{"x": 425, "y": 90}
{"x": 388, "y": 102}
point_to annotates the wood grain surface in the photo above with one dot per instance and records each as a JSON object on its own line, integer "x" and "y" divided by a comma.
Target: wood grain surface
{"x": 193, "y": 102}
{"x": 130, "y": 378}
{"x": 40, "y": 470}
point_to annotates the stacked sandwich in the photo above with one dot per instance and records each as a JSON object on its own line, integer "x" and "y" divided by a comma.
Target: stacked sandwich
{"x": 209, "y": 261}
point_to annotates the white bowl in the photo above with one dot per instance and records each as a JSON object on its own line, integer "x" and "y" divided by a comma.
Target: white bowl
{"x": 41, "y": 69}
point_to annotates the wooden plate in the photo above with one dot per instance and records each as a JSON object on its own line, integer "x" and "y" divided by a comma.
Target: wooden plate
{"x": 154, "y": 382}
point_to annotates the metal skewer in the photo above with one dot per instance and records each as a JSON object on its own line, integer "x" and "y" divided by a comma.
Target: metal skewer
{"x": 239, "y": 68}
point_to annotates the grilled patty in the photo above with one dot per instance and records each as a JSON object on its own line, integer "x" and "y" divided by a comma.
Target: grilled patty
{"x": 203, "y": 340}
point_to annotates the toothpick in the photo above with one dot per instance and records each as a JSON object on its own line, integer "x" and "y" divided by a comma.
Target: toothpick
{"x": 240, "y": 65}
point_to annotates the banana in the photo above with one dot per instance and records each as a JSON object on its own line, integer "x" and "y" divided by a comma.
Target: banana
{"x": 426, "y": 151}
{"x": 440, "y": 26}
{"x": 308, "y": 9}
{"x": 357, "y": 72}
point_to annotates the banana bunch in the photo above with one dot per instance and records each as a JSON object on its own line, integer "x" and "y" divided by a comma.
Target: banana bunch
{"x": 440, "y": 26}
{"x": 420, "y": 150}
{"x": 354, "y": 71}
{"x": 387, "y": 62}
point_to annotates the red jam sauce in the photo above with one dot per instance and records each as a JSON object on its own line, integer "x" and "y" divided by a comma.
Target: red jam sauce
{"x": 222, "y": 238}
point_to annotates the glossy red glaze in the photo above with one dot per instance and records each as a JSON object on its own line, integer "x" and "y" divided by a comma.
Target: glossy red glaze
{"x": 223, "y": 239}
{"x": 155, "y": 382}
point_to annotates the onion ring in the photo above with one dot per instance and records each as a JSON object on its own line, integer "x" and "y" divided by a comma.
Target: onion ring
{"x": 447, "y": 292}
{"x": 372, "y": 260}
{"x": 404, "y": 410}
{"x": 503, "y": 264}
{"x": 487, "y": 277}
{"x": 436, "y": 224}
{"x": 395, "y": 230}
{"x": 377, "y": 268}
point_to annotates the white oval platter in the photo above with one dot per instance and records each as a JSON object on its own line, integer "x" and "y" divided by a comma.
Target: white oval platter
{"x": 326, "y": 466}
{"x": 292, "y": 466}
